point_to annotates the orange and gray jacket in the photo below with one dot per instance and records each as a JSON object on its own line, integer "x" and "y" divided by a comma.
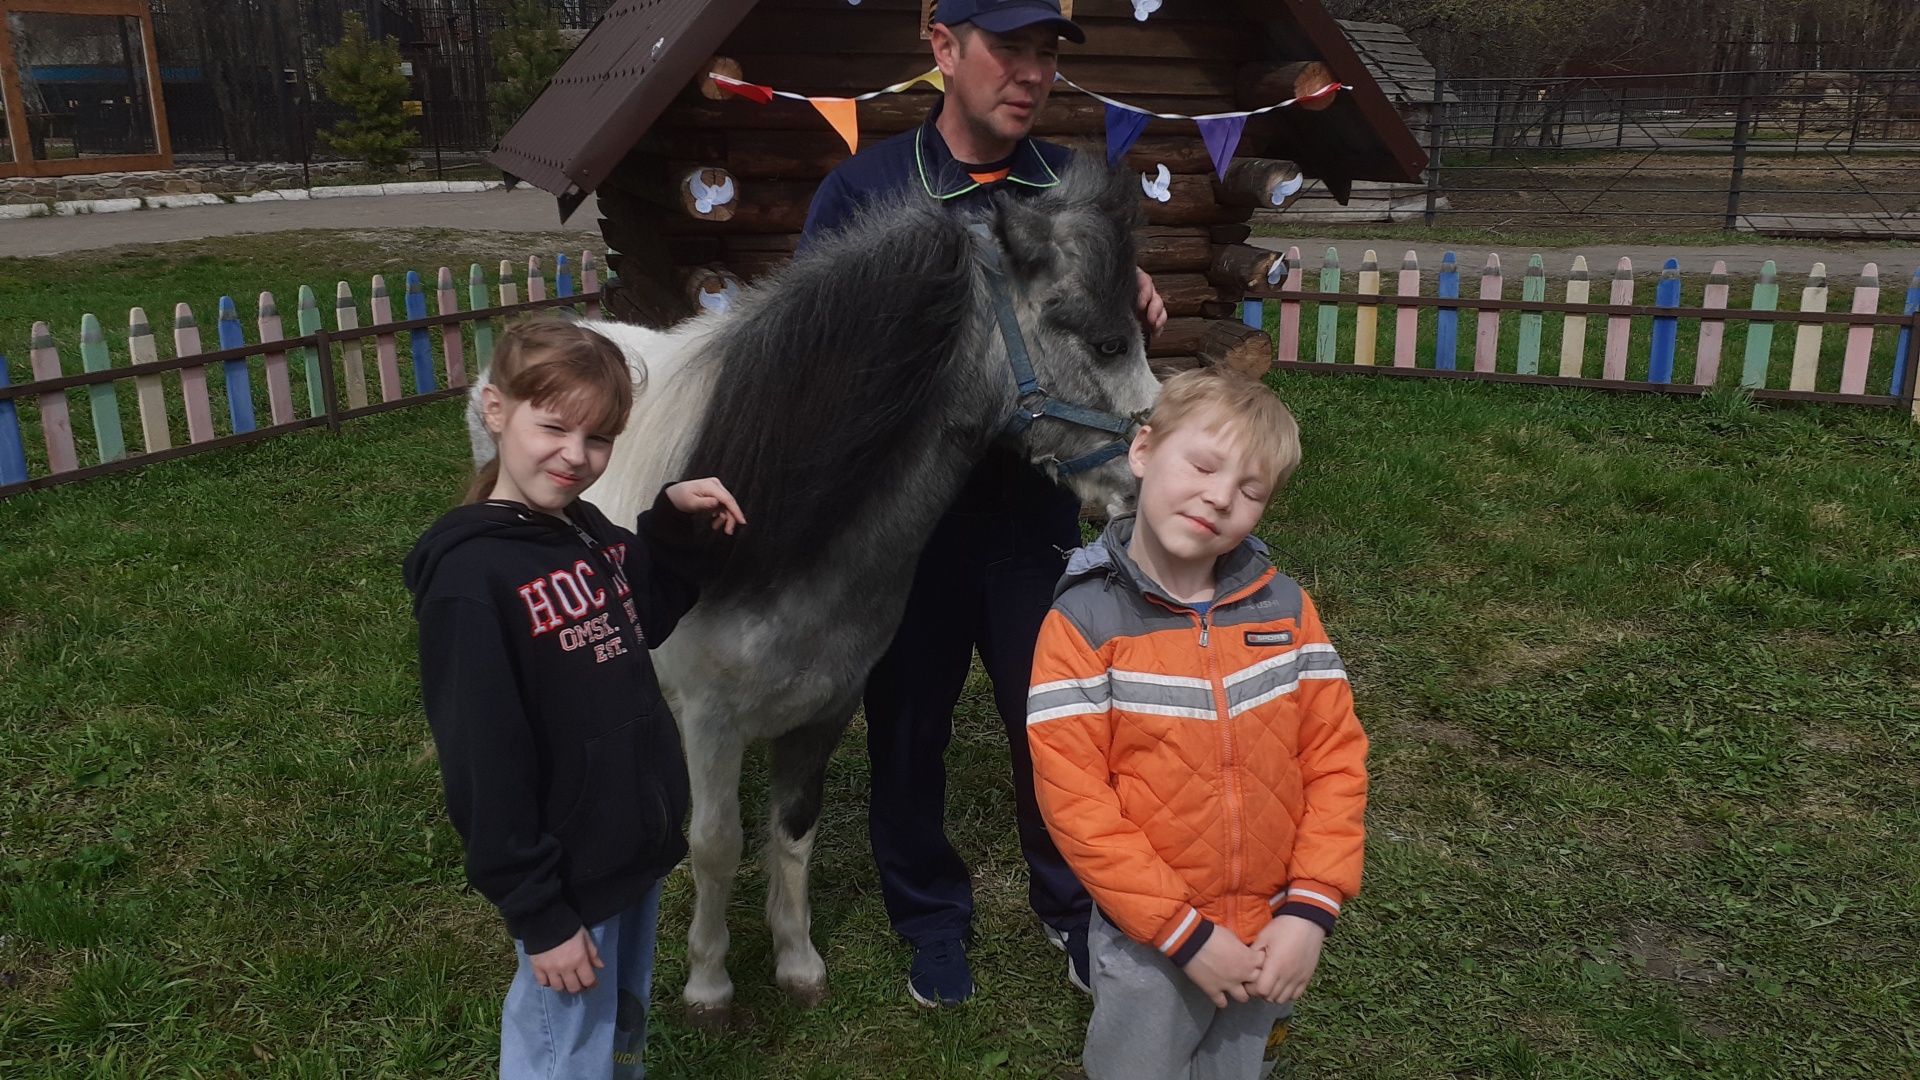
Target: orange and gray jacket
{"x": 1196, "y": 771}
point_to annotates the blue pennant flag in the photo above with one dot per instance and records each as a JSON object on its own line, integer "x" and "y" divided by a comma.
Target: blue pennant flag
{"x": 1222, "y": 136}
{"x": 1123, "y": 130}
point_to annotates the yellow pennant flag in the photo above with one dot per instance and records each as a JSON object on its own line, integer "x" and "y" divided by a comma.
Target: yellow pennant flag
{"x": 843, "y": 114}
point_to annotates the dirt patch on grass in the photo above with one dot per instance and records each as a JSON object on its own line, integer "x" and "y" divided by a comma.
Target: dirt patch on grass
{"x": 1441, "y": 733}
{"x": 1672, "y": 955}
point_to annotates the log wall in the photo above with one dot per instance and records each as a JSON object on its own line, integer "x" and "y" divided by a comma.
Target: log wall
{"x": 1193, "y": 56}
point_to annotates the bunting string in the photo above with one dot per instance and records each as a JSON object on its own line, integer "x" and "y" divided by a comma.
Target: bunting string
{"x": 1125, "y": 123}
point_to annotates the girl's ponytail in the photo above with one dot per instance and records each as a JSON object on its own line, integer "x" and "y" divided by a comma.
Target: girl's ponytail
{"x": 484, "y": 480}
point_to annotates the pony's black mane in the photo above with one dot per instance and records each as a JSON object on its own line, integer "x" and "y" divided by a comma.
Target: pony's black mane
{"x": 822, "y": 379}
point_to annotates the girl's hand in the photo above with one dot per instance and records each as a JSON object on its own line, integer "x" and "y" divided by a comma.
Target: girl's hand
{"x": 708, "y": 498}
{"x": 569, "y": 965}
{"x": 1292, "y": 951}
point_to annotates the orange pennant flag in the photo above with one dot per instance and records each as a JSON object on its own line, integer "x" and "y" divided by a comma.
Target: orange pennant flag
{"x": 843, "y": 114}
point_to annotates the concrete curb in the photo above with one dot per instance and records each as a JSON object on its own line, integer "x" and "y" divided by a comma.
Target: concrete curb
{"x": 168, "y": 202}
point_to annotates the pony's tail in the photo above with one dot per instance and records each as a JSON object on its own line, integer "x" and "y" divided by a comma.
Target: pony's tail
{"x": 484, "y": 479}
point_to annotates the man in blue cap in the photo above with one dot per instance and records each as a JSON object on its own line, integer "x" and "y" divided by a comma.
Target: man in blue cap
{"x": 986, "y": 578}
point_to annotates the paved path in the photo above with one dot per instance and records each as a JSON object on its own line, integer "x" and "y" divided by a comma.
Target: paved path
{"x": 1743, "y": 260}
{"x": 521, "y": 210}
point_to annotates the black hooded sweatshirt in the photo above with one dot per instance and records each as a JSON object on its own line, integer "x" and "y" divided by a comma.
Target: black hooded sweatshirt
{"x": 561, "y": 763}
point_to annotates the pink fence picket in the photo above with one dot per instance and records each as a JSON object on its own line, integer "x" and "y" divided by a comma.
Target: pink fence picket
{"x": 1486, "y": 339}
{"x": 56, "y": 425}
{"x": 1289, "y": 344}
{"x": 386, "y": 350}
{"x": 279, "y": 388}
{"x": 1619, "y": 327}
{"x": 448, "y": 303}
{"x": 1406, "y": 325}
{"x": 1706, "y": 363}
{"x": 1866, "y": 301}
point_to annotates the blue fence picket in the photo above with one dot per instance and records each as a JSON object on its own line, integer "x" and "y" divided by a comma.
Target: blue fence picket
{"x": 1666, "y": 328}
{"x": 239, "y": 382}
{"x": 1447, "y": 328}
{"x": 13, "y": 452}
{"x": 562, "y": 276}
{"x": 423, "y": 381}
{"x": 1902, "y": 350}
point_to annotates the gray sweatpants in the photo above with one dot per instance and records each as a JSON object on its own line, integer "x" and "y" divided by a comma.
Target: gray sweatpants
{"x": 1151, "y": 1023}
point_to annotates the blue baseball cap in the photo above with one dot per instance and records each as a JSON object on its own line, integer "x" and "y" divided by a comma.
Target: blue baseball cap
{"x": 1006, "y": 16}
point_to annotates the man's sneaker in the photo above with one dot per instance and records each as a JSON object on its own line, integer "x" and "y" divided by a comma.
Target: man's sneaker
{"x": 1079, "y": 963}
{"x": 940, "y": 975}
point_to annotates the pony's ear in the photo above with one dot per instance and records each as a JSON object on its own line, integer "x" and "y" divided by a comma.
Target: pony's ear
{"x": 1026, "y": 235}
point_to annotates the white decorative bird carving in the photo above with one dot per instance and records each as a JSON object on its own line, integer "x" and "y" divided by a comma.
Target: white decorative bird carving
{"x": 706, "y": 198}
{"x": 722, "y": 300}
{"x": 1277, "y": 272}
{"x": 1285, "y": 189}
{"x": 1144, "y": 8}
{"x": 1159, "y": 189}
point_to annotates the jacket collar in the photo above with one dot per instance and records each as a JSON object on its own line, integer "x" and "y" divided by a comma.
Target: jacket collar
{"x": 943, "y": 177}
{"x": 1234, "y": 572}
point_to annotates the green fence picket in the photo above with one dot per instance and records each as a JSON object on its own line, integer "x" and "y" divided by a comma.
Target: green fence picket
{"x": 108, "y": 438}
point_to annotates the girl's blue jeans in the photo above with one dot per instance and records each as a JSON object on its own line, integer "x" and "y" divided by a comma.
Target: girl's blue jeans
{"x": 553, "y": 1035}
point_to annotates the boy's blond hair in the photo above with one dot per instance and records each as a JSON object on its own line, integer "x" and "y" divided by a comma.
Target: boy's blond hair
{"x": 1242, "y": 409}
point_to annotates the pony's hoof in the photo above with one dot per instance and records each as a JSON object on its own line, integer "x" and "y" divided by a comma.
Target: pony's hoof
{"x": 711, "y": 1019}
{"x": 807, "y": 995}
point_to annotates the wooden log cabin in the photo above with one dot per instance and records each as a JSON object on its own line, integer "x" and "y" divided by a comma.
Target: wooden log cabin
{"x": 701, "y": 191}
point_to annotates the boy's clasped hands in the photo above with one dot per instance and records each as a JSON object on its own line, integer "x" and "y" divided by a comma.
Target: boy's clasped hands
{"x": 1276, "y": 967}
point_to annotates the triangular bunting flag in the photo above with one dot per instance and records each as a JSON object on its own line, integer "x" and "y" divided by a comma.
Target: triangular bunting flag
{"x": 750, "y": 91}
{"x": 1123, "y": 130}
{"x": 844, "y": 115}
{"x": 1222, "y": 136}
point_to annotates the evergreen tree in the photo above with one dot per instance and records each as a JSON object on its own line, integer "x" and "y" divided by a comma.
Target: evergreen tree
{"x": 527, "y": 51}
{"x": 364, "y": 76}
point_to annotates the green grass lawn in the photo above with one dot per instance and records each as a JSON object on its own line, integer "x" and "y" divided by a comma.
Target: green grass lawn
{"x": 1642, "y": 676}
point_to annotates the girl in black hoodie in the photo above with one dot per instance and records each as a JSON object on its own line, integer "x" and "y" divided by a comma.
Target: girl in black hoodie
{"x": 562, "y": 767}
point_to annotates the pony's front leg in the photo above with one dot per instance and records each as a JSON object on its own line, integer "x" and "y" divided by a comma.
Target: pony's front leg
{"x": 799, "y": 770}
{"x": 713, "y": 767}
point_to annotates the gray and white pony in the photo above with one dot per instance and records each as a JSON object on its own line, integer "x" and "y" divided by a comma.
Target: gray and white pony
{"x": 844, "y": 402}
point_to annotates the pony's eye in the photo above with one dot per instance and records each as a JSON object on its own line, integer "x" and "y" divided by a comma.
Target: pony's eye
{"x": 1110, "y": 349}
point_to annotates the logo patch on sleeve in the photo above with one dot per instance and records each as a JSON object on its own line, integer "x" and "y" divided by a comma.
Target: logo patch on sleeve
{"x": 1275, "y": 637}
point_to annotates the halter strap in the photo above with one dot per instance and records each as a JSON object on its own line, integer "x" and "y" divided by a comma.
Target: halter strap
{"x": 1034, "y": 401}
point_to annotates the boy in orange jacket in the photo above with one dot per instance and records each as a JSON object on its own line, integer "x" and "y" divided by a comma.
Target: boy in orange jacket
{"x": 1195, "y": 749}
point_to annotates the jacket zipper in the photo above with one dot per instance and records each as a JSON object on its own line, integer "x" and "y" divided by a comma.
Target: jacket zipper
{"x": 1229, "y": 779}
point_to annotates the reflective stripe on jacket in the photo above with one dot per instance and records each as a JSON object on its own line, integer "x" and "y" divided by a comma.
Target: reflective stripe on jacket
{"x": 1196, "y": 771}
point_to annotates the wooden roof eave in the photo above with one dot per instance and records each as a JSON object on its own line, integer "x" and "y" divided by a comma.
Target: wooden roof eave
{"x": 572, "y": 137}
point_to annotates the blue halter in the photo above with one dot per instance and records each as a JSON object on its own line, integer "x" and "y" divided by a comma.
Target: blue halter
{"x": 1034, "y": 401}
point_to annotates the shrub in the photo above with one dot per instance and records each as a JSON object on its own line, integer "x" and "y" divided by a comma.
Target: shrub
{"x": 364, "y": 76}
{"x": 527, "y": 51}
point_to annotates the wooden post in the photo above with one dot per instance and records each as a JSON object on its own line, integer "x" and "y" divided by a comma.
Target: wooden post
{"x": 155, "y": 434}
{"x": 1573, "y": 330}
{"x": 1240, "y": 267}
{"x": 1619, "y": 327}
{"x": 1288, "y": 347}
{"x": 385, "y": 349}
{"x": 1262, "y": 183}
{"x": 13, "y": 449}
{"x": 56, "y": 426}
{"x": 310, "y": 356}
{"x": 1533, "y": 290}
{"x": 1406, "y": 328}
{"x": 353, "y": 354}
{"x": 1809, "y": 338}
{"x": 590, "y": 281}
{"x": 108, "y": 438}
{"x": 447, "y": 302}
{"x": 1666, "y": 328}
{"x": 1486, "y": 344}
{"x": 482, "y": 328}
{"x": 193, "y": 380}
{"x": 1329, "y": 312}
{"x": 1713, "y": 332}
{"x": 1766, "y": 297}
{"x": 1366, "y": 319}
{"x": 1447, "y": 323}
{"x": 536, "y": 281}
{"x": 1866, "y": 301}
{"x": 419, "y": 344}
{"x": 279, "y": 388}
{"x": 239, "y": 379}
{"x": 509, "y": 285}
{"x": 1897, "y": 385}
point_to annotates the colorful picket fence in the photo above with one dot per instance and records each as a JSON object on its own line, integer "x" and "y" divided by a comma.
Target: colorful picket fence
{"x": 1618, "y": 345}
{"x": 314, "y": 359}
